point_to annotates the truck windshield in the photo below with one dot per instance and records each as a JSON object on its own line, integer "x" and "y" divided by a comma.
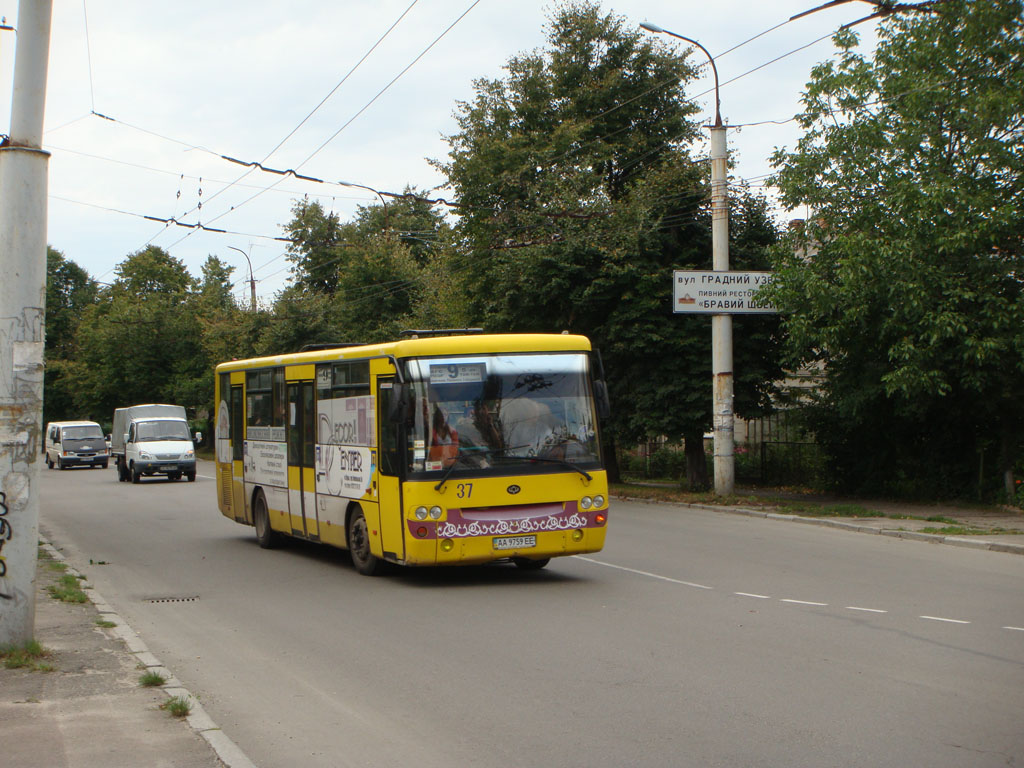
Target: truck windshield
{"x": 531, "y": 412}
{"x": 162, "y": 430}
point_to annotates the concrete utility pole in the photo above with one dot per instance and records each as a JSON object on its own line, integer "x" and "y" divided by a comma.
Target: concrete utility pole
{"x": 721, "y": 325}
{"x": 23, "y": 167}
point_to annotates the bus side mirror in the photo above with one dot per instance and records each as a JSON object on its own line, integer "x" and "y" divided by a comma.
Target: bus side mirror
{"x": 604, "y": 406}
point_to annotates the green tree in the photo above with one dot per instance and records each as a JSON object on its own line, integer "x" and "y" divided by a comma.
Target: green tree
{"x": 315, "y": 246}
{"x": 359, "y": 281}
{"x": 141, "y": 341}
{"x": 912, "y": 163}
{"x": 578, "y": 199}
{"x": 69, "y": 291}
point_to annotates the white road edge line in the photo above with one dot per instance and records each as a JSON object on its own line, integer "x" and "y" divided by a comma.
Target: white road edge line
{"x": 948, "y": 621}
{"x": 868, "y": 610}
{"x": 1015, "y": 629}
{"x": 643, "y": 573}
{"x": 801, "y": 602}
{"x": 751, "y": 594}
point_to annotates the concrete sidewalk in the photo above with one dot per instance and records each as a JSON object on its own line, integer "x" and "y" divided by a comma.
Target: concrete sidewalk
{"x": 90, "y": 711}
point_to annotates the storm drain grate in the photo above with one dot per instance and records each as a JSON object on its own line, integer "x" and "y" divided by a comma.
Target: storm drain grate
{"x": 173, "y": 599}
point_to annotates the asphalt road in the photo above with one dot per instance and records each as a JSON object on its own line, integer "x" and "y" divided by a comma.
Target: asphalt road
{"x": 694, "y": 639}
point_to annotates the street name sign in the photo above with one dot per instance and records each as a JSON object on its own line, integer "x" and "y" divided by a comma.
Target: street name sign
{"x": 720, "y": 293}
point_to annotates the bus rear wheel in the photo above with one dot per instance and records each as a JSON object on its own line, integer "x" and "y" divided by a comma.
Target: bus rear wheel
{"x": 267, "y": 537}
{"x": 359, "y": 545}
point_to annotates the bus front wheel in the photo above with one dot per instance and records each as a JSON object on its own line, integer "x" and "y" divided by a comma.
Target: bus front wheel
{"x": 359, "y": 545}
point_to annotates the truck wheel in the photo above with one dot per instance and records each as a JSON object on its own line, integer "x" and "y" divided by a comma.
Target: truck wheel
{"x": 267, "y": 537}
{"x": 191, "y": 476}
{"x": 136, "y": 474}
{"x": 359, "y": 545}
{"x": 49, "y": 462}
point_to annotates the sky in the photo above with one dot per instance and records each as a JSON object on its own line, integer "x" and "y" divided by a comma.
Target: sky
{"x": 144, "y": 98}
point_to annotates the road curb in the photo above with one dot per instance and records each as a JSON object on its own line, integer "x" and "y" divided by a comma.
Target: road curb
{"x": 956, "y": 541}
{"x": 198, "y": 720}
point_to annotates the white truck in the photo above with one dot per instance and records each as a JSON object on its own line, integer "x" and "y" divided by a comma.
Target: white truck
{"x": 152, "y": 440}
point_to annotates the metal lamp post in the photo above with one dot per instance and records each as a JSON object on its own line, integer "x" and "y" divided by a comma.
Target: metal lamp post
{"x": 252, "y": 280}
{"x": 721, "y": 325}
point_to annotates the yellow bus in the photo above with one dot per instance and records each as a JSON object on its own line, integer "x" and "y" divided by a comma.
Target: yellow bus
{"x": 441, "y": 448}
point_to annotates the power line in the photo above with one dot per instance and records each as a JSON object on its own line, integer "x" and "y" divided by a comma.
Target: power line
{"x": 168, "y": 221}
{"x": 350, "y": 120}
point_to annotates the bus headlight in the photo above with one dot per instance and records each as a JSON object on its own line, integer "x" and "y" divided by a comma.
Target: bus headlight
{"x": 598, "y": 502}
{"x": 577, "y": 535}
{"x": 421, "y": 513}
{"x": 447, "y": 545}
{"x": 586, "y": 502}
{"x": 435, "y": 513}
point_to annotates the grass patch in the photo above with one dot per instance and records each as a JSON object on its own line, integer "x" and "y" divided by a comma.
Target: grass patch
{"x": 67, "y": 590}
{"x": 53, "y": 565}
{"x": 105, "y": 623}
{"x": 955, "y": 530}
{"x": 178, "y": 706}
{"x": 152, "y": 679}
{"x": 31, "y": 656}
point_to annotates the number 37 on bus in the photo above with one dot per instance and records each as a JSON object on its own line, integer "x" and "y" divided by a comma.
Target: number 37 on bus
{"x": 440, "y": 448}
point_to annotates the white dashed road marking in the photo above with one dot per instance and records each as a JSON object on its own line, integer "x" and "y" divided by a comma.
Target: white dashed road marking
{"x": 757, "y": 596}
{"x": 644, "y": 573}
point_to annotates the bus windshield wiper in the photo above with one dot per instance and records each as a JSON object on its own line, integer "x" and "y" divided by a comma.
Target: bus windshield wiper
{"x": 449, "y": 470}
{"x": 503, "y": 454}
{"x": 550, "y": 460}
{"x": 489, "y": 452}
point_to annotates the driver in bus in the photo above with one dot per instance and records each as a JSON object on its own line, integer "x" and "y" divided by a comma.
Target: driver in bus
{"x": 444, "y": 438}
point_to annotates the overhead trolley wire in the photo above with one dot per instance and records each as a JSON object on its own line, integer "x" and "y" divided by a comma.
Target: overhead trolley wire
{"x": 353, "y": 118}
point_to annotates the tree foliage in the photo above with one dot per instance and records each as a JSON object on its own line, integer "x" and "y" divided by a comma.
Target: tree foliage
{"x": 913, "y": 164}
{"x": 69, "y": 291}
{"x": 579, "y": 197}
{"x": 141, "y": 341}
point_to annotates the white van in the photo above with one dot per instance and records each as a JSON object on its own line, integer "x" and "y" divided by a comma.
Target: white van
{"x": 75, "y": 442}
{"x": 153, "y": 440}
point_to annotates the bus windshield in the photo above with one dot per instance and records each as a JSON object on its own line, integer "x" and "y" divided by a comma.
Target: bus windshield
{"x": 509, "y": 412}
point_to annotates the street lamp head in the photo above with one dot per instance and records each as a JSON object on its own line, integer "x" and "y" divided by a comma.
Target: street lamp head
{"x": 661, "y": 31}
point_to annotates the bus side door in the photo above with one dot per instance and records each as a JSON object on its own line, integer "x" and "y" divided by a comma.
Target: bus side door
{"x": 389, "y": 475}
{"x": 301, "y": 436}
